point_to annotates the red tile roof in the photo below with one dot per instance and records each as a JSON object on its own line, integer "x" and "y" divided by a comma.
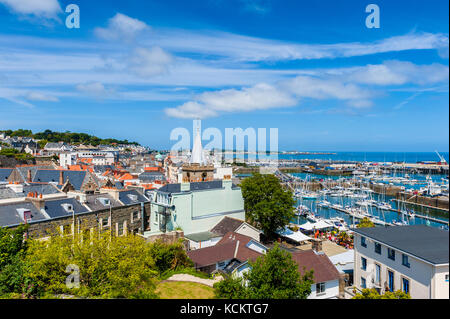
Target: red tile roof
{"x": 232, "y": 245}
{"x": 324, "y": 270}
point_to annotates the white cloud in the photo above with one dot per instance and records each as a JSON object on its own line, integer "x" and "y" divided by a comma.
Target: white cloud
{"x": 240, "y": 48}
{"x": 323, "y": 88}
{"x": 95, "y": 89}
{"x": 399, "y": 72}
{"x": 121, "y": 27}
{"x": 48, "y": 9}
{"x": 38, "y": 96}
{"x": 149, "y": 62}
{"x": 259, "y": 97}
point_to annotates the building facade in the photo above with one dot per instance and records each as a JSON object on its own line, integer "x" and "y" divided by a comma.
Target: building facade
{"x": 413, "y": 259}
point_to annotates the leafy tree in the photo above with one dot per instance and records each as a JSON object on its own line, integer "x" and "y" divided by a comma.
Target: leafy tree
{"x": 12, "y": 251}
{"x": 110, "y": 267}
{"x": 42, "y": 143}
{"x": 373, "y": 294}
{"x": 267, "y": 204}
{"x": 11, "y": 244}
{"x": 230, "y": 288}
{"x": 272, "y": 276}
{"x": 365, "y": 222}
{"x": 169, "y": 256}
{"x": 276, "y": 276}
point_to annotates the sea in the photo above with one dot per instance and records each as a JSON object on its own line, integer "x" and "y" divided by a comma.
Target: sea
{"x": 407, "y": 157}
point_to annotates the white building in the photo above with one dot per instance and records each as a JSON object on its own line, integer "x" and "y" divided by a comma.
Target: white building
{"x": 413, "y": 259}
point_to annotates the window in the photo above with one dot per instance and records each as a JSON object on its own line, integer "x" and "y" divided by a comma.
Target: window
{"x": 405, "y": 285}
{"x": 105, "y": 222}
{"x": 446, "y": 278}
{"x": 320, "y": 288}
{"x": 120, "y": 229}
{"x": 378, "y": 248}
{"x": 363, "y": 263}
{"x": 377, "y": 274}
{"x": 363, "y": 283}
{"x": 391, "y": 280}
{"x": 391, "y": 254}
{"x": 363, "y": 241}
{"x": 135, "y": 216}
{"x": 405, "y": 261}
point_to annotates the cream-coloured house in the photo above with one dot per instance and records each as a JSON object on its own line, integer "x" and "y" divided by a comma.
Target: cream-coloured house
{"x": 413, "y": 259}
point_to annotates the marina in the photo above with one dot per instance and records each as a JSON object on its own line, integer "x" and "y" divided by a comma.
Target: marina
{"x": 354, "y": 198}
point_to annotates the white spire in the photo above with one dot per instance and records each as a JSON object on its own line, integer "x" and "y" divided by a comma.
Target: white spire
{"x": 197, "y": 155}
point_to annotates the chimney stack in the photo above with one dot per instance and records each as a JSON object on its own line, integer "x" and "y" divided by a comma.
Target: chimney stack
{"x": 316, "y": 245}
{"x": 61, "y": 177}
{"x": 29, "y": 176}
{"x": 39, "y": 203}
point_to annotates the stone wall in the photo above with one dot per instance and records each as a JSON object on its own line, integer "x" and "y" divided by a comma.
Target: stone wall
{"x": 168, "y": 238}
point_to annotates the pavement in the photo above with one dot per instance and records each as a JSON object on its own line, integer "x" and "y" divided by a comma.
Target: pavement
{"x": 190, "y": 278}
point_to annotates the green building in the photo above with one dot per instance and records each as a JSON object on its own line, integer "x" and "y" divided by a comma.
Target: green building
{"x": 195, "y": 207}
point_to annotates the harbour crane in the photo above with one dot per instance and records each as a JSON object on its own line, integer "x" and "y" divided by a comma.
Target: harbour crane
{"x": 443, "y": 161}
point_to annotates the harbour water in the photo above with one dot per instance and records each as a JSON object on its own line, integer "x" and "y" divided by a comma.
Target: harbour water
{"x": 384, "y": 215}
{"x": 407, "y": 157}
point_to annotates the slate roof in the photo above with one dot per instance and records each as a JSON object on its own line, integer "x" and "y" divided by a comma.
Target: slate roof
{"x": 151, "y": 176}
{"x": 227, "y": 224}
{"x": 5, "y": 173}
{"x": 55, "y": 209}
{"x": 23, "y": 170}
{"x": 44, "y": 189}
{"x": 94, "y": 204}
{"x": 6, "y": 192}
{"x": 425, "y": 242}
{"x": 195, "y": 186}
{"x": 76, "y": 178}
{"x": 9, "y": 215}
{"x": 126, "y": 200}
{"x": 324, "y": 270}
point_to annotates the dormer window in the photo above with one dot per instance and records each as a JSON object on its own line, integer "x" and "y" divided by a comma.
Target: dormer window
{"x": 25, "y": 214}
{"x": 67, "y": 207}
{"x": 104, "y": 201}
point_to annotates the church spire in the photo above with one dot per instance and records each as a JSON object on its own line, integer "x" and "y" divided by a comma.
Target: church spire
{"x": 197, "y": 155}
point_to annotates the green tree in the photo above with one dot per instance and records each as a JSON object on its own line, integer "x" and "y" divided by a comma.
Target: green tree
{"x": 365, "y": 222}
{"x": 276, "y": 276}
{"x": 267, "y": 204}
{"x": 272, "y": 276}
{"x": 109, "y": 267}
{"x": 230, "y": 288}
{"x": 169, "y": 256}
{"x": 12, "y": 268}
{"x": 373, "y": 294}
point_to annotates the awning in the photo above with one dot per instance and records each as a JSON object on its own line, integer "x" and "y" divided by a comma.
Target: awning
{"x": 295, "y": 236}
{"x": 318, "y": 225}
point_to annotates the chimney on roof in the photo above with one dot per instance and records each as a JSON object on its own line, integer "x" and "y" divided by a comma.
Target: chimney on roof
{"x": 61, "y": 177}
{"x": 316, "y": 244}
{"x": 236, "y": 249}
{"x": 39, "y": 203}
{"x": 29, "y": 176}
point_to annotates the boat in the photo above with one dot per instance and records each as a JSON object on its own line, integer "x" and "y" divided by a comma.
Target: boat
{"x": 384, "y": 206}
{"x": 323, "y": 203}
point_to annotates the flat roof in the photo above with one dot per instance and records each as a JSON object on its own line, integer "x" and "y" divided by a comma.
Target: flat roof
{"x": 202, "y": 236}
{"x": 425, "y": 242}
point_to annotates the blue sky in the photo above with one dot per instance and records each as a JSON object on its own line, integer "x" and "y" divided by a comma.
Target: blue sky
{"x": 312, "y": 69}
